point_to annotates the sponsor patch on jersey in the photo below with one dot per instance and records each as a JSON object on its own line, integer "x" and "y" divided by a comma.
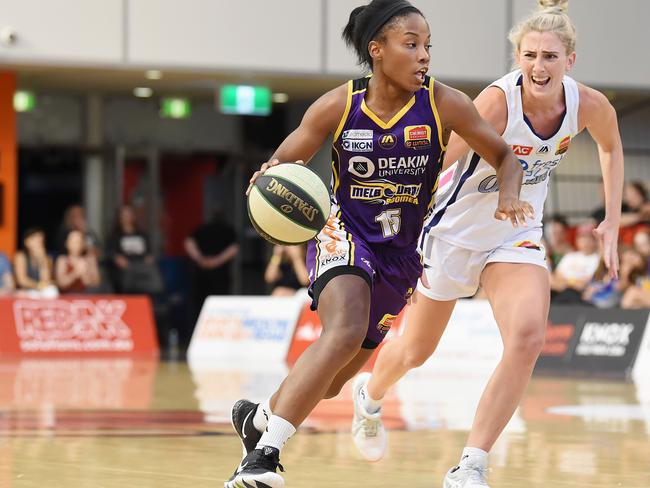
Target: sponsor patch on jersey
{"x": 543, "y": 149}
{"x": 358, "y": 134}
{"x": 361, "y": 166}
{"x": 563, "y": 145}
{"x": 417, "y": 136}
{"x": 387, "y": 141}
{"x": 529, "y": 245}
{"x": 411, "y": 165}
{"x": 520, "y": 150}
{"x": 357, "y": 145}
{"x": 385, "y": 192}
{"x": 386, "y": 323}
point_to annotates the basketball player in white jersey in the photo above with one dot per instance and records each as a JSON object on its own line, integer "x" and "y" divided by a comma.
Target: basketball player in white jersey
{"x": 538, "y": 110}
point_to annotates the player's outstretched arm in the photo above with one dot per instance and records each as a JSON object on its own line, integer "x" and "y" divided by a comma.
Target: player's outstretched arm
{"x": 320, "y": 120}
{"x": 459, "y": 114}
{"x": 599, "y": 117}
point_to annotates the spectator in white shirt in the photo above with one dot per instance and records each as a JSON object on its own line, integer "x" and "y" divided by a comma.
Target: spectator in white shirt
{"x": 576, "y": 269}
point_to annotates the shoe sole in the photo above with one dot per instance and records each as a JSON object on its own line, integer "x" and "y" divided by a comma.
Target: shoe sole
{"x": 245, "y": 482}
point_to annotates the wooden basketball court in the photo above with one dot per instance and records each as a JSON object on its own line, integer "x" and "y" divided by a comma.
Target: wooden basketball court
{"x": 127, "y": 423}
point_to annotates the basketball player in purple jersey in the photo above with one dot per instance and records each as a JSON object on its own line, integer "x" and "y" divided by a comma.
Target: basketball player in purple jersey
{"x": 390, "y": 131}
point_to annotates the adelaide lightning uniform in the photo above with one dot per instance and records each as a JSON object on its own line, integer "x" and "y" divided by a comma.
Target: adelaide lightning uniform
{"x": 462, "y": 235}
{"x": 384, "y": 176}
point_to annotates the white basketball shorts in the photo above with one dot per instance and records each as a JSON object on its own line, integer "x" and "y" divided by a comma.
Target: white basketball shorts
{"x": 455, "y": 272}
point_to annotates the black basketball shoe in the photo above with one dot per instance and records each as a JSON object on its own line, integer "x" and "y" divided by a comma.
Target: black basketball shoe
{"x": 258, "y": 470}
{"x": 243, "y": 412}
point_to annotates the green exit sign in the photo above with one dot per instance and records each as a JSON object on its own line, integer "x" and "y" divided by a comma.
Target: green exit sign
{"x": 245, "y": 100}
{"x": 175, "y": 108}
{"x": 24, "y": 101}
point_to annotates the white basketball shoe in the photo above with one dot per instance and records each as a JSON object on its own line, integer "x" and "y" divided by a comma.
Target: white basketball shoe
{"x": 470, "y": 473}
{"x": 367, "y": 429}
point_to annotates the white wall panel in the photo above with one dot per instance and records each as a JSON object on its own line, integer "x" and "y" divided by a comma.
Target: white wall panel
{"x": 282, "y": 35}
{"x": 612, "y": 42}
{"x": 63, "y": 31}
{"x": 468, "y": 38}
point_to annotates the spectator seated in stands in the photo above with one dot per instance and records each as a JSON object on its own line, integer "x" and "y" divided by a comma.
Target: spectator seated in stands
{"x": 286, "y": 271}
{"x": 134, "y": 267}
{"x": 33, "y": 266}
{"x": 636, "y": 275}
{"x": 636, "y": 214}
{"x": 576, "y": 269}
{"x": 75, "y": 219}
{"x": 7, "y": 283}
{"x": 76, "y": 270}
{"x": 642, "y": 244}
{"x": 558, "y": 239}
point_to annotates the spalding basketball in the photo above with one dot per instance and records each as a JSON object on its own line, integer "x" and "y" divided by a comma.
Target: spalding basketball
{"x": 288, "y": 204}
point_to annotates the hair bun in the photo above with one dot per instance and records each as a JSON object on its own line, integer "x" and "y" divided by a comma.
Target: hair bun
{"x": 559, "y": 6}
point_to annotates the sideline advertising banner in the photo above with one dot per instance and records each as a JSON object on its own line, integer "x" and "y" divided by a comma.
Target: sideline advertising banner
{"x": 592, "y": 342}
{"x": 93, "y": 325}
{"x": 244, "y": 328}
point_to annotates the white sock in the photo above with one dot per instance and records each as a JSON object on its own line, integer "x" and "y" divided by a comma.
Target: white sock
{"x": 262, "y": 415}
{"x": 370, "y": 404}
{"x": 277, "y": 433}
{"x": 474, "y": 452}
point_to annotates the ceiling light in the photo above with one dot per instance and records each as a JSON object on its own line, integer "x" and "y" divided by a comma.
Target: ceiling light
{"x": 143, "y": 92}
{"x": 153, "y": 74}
{"x": 280, "y": 98}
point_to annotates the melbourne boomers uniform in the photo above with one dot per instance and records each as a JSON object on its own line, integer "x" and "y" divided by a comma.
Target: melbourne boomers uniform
{"x": 462, "y": 235}
{"x": 384, "y": 176}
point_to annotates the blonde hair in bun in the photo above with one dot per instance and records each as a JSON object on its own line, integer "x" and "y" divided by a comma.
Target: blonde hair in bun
{"x": 560, "y": 5}
{"x": 551, "y": 17}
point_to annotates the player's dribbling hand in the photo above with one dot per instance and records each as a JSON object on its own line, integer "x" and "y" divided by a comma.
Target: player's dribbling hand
{"x": 262, "y": 170}
{"x": 515, "y": 210}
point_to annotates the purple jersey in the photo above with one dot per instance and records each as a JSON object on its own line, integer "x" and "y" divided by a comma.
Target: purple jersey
{"x": 385, "y": 174}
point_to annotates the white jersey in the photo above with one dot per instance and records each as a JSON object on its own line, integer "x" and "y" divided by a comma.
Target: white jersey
{"x": 464, "y": 216}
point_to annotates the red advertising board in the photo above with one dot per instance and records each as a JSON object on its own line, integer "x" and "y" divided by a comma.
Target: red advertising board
{"x": 309, "y": 328}
{"x": 83, "y": 325}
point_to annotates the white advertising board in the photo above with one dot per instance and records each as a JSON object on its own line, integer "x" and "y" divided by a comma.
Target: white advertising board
{"x": 244, "y": 328}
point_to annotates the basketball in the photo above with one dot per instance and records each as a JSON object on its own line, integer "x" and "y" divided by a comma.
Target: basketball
{"x": 288, "y": 204}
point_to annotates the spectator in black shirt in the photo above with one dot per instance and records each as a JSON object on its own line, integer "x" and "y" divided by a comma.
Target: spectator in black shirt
{"x": 211, "y": 247}
{"x": 134, "y": 267}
